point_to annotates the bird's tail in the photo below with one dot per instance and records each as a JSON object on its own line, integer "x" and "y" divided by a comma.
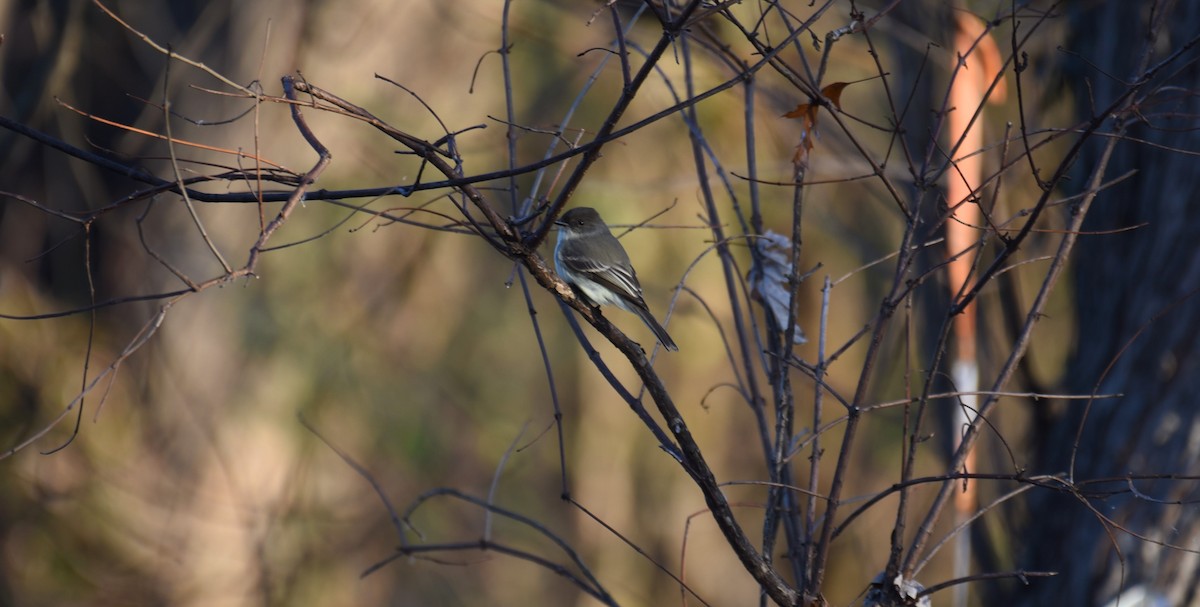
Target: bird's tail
{"x": 659, "y": 331}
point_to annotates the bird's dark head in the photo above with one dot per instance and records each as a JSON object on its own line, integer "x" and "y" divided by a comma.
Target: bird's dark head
{"x": 581, "y": 220}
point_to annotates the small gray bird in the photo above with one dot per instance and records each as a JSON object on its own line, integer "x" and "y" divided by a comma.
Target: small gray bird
{"x": 593, "y": 261}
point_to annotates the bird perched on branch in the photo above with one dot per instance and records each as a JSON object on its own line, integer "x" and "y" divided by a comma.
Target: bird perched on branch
{"x": 593, "y": 261}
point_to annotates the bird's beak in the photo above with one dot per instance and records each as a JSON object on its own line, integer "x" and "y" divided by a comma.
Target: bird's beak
{"x": 559, "y": 222}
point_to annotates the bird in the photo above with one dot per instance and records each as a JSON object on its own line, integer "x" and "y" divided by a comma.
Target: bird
{"x": 590, "y": 259}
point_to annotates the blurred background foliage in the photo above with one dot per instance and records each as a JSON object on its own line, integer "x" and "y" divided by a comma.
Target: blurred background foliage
{"x": 192, "y": 482}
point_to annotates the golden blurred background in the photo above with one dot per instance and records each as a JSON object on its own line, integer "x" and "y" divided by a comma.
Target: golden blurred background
{"x": 192, "y": 480}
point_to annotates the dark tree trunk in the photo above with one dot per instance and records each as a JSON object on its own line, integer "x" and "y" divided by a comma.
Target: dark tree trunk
{"x": 1137, "y": 336}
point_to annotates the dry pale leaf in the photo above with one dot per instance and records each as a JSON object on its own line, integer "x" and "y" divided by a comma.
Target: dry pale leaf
{"x": 770, "y": 280}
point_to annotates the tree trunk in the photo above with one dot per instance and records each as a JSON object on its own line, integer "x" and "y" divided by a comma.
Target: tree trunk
{"x": 1137, "y": 336}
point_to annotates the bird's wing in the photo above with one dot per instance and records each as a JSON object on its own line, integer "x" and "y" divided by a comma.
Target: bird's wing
{"x": 620, "y": 278}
